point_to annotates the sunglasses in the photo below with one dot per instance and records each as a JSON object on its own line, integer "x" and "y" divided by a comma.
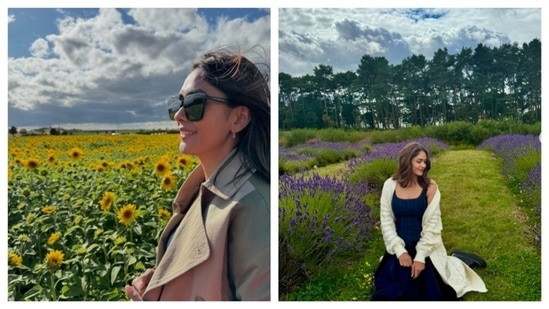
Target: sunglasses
{"x": 193, "y": 105}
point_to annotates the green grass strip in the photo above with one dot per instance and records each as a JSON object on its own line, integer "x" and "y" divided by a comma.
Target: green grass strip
{"x": 480, "y": 214}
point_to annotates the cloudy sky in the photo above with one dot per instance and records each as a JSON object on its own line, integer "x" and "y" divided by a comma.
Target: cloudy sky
{"x": 340, "y": 37}
{"x": 112, "y": 68}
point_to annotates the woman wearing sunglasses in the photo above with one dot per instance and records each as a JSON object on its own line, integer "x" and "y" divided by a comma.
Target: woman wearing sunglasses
{"x": 216, "y": 246}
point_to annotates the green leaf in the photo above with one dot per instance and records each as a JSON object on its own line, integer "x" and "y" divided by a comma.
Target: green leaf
{"x": 84, "y": 283}
{"x": 131, "y": 260}
{"x": 137, "y": 229}
{"x": 114, "y": 273}
{"x": 33, "y": 293}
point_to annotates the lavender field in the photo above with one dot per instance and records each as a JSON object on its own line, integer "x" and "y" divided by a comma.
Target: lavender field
{"x": 327, "y": 222}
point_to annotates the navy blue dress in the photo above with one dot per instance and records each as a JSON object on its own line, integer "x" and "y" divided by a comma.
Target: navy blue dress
{"x": 394, "y": 282}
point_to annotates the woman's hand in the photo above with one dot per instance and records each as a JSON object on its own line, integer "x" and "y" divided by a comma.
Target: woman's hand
{"x": 405, "y": 260}
{"x": 417, "y": 268}
{"x": 139, "y": 284}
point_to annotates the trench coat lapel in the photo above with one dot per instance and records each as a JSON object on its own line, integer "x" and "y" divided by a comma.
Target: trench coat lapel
{"x": 192, "y": 246}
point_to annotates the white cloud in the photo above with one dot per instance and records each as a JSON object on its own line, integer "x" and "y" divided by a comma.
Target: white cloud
{"x": 340, "y": 37}
{"x": 107, "y": 70}
{"x": 11, "y": 18}
{"x": 39, "y": 48}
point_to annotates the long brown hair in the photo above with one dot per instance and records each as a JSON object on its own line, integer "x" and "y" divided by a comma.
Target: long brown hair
{"x": 405, "y": 175}
{"x": 243, "y": 84}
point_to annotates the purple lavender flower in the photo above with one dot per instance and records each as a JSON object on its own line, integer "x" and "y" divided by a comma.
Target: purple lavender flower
{"x": 323, "y": 217}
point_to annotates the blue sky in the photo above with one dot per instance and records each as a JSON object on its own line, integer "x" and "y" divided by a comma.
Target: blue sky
{"x": 339, "y": 37}
{"x": 114, "y": 68}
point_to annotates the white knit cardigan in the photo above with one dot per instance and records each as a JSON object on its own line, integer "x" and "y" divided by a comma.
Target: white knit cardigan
{"x": 452, "y": 270}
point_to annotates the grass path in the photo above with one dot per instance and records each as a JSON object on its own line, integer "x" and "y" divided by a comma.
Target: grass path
{"x": 479, "y": 214}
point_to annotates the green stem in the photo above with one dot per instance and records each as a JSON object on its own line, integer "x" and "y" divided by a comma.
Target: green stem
{"x": 52, "y": 282}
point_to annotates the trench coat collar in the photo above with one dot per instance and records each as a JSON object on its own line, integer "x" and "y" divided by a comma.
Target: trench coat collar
{"x": 221, "y": 183}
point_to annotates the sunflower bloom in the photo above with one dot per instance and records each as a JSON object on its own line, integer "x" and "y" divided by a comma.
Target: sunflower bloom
{"x": 54, "y": 237}
{"x": 106, "y": 201}
{"x": 126, "y": 165}
{"x": 76, "y": 153}
{"x": 97, "y": 232}
{"x": 139, "y": 266}
{"x": 164, "y": 214}
{"x": 23, "y": 238}
{"x": 127, "y": 214}
{"x": 120, "y": 240}
{"x": 48, "y": 210}
{"x": 129, "y": 165}
{"x": 184, "y": 162}
{"x": 80, "y": 250}
{"x": 51, "y": 158}
{"x": 168, "y": 181}
{"x": 54, "y": 259}
{"x": 104, "y": 164}
{"x": 14, "y": 259}
{"x": 30, "y": 218}
{"x": 140, "y": 161}
{"x": 161, "y": 168}
{"x": 77, "y": 219}
{"x": 32, "y": 163}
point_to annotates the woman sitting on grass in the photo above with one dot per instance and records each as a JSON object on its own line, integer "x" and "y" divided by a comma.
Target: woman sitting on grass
{"x": 415, "y": 265}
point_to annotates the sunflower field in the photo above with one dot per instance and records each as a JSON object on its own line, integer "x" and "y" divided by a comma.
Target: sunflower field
{"x": 85, "y": 212}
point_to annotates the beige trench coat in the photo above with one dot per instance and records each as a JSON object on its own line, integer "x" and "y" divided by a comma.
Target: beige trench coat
{"x": 220, "y": 248}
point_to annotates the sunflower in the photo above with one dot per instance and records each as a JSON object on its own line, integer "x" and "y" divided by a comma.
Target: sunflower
{"x": 54, "y": 259}
{"x": 14, "y": 259}
{"x": 139, "y": 266}
{"x": 77, "y": 219}
{"x": 164, "y": 214}
{"x": 30, "y": 218}
{"x": 127, "y": 214}
{"x": 48, "y": 210}
{"x": 168, "y": 181}
{"x": 106, "y": 201}
{"x": 80, "y": 250}
{"x": 184, "y": 162}
{"x": 140, "y": 161}
{"x": 26, "y": 192}
{"x": 10, "y": 174}
{"x": 127, "y": 165}
{"x": 76, "y": 153}
{"x": 161, "y": 167}
{"x": 32, "y": 163}
{"x": 51, "y": 158}
{"x": 97, "y": 232}
{"x": 23, "y": 238}
{"x": 120, "y": 240}
{"x": 53, "y": 238}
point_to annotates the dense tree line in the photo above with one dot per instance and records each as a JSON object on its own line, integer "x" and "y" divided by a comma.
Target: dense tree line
{"x": 484, "y": 83}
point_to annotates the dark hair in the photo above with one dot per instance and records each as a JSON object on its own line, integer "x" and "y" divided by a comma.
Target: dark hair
{"x": 405, "y": 175}
{"x": 243, "y": 84}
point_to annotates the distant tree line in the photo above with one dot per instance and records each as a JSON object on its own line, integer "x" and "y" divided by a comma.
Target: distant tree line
{"x": 484, "y": 83}
{"x": 60, "y": 131}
